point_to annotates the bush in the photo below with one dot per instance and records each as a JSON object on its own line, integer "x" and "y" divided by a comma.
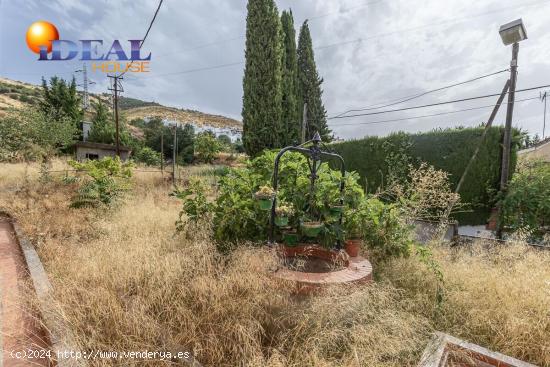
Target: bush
{"x": 527, "y": 202}
{"x": 107, "y": 179}
{"x": 381, "y": 161}
{"x": 148, "y": 156}
{"x": 207, "y": 147}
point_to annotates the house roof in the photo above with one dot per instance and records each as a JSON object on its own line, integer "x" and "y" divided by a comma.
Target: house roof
{"x": 88, "y": 144}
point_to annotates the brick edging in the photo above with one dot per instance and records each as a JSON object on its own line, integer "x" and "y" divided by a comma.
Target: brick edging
{"x": 60, "y": 335}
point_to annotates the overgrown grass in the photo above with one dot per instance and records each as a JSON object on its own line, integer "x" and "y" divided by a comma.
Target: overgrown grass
{"x": 124, "y": 280}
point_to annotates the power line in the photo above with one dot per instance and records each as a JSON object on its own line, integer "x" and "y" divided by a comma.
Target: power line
{"x": 445, "y": 22}
{"x": 146, "y": 33}
{"x": 435, "y": 104}
{"x": 414, "y": 96}
{"x": 430, "y": 115}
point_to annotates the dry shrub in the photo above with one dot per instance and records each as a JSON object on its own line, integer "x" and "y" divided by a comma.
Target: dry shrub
{"x": 495, "y": 296}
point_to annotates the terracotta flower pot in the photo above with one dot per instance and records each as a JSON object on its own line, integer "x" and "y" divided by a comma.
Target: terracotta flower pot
{"x": 352, "y": 247}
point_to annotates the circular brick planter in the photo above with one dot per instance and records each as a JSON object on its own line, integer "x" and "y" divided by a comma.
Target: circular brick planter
{"x": 355, "y": 269}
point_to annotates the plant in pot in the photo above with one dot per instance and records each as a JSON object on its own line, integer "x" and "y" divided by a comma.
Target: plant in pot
{"x": 282, "y": 214}
{"x": 353, "y": 224}
{"x": 265, "y": 197}
{"x": 311, "y": 228}
{"x": 290, "y": 237}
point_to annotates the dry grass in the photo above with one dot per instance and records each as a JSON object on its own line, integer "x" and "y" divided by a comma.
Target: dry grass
{"x": 125, "y": 281}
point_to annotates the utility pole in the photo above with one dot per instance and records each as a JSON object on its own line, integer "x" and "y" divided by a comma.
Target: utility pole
{"x": 507, "y": 146}
{"x": 174, "y": 153}
{"x": 162, "y": 151}
{"x": 304, "y": 123}
{"x": 116, "y": 88}
{"x": 544, "y": 98}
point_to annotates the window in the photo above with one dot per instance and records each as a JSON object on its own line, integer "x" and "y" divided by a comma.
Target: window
{"x": 92, "y": 156}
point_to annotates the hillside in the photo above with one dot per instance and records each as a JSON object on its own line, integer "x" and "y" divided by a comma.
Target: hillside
{"x": 15, "y": 94}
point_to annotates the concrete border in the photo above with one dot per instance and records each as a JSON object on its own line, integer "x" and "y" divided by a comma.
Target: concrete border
{"x": 442, "y": 345}
{"x": 61, "y": 337}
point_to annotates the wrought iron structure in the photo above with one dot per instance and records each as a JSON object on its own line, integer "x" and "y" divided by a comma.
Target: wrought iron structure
{"x": 312, "y": 150}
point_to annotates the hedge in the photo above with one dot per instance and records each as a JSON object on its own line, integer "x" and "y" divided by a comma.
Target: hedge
{"x": 377, "y": 158}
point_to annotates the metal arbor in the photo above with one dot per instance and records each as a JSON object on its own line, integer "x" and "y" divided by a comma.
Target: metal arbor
{"x": 314, "y": 154}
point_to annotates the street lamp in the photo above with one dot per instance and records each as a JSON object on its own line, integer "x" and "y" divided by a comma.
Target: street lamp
{"x": 511, "y": 34}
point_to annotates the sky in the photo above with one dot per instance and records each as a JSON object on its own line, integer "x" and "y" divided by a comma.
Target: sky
{"x": 369, "y": 53}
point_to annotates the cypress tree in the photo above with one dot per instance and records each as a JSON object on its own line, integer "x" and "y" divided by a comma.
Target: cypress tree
{"x": 291, "y": 120}
{"x": 310, "y": 87}
{"x": 262, "y": 91}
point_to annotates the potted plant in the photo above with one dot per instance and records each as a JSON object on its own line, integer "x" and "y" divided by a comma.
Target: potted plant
{"x": 311, "y": 228}
{"x": 336, "y": 209}
{"x": 283, "y": 212}
{"x": 353, "y": 224}
{"x": 290, "y": 237}
{"x": 265, "y": 197}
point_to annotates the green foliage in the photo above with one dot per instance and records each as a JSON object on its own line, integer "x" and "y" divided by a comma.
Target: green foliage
{"x": 262, "y": 82}
{"x": 154, "y": 129}
{"x": 60, "y": 100}
{"x": 196, "y": 206}
{"x": 207, "y": 147}
{"x": 31, "y": 134}
{"x": 384, "y": 230}
{"x": 380, "y": 161}
{"x": 103, "y": 128}
{"x": 147, "y": 156}
{"x": 310, "y": 87}
{"x": 291, "y": 111}
{"x": 107, "y": 179}
{"x": 526, "y": 205}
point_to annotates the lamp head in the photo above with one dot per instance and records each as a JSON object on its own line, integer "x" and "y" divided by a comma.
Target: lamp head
{"x": 513, "y": 32}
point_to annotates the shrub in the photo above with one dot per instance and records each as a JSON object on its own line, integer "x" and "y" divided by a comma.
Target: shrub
{"x": 107, "y": 179}
{"x": 527, "y": 202}
{"x": 207, "y": 147}
{"x": 148, "y": 156}
{"x": 196, "y": 207}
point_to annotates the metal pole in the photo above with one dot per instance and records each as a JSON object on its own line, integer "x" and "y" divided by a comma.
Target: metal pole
{"x": 507, "y": 144}
{"x": 115, "y": 89}
{"x": 304, "y": 123}
{"x": 487, "y": 127}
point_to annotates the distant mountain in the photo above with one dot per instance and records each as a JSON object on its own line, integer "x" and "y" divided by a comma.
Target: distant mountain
{"x": 15, "y": 94}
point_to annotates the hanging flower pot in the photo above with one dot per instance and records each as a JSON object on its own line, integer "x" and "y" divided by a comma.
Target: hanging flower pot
{"x": 283, "y": 212}
{"x": 265, "y": 197}
{"x": 290, "y": 238}
{"x": 312, "y": 229}
{"x": 281, "y": 221}
{"x": 352, "y": 247}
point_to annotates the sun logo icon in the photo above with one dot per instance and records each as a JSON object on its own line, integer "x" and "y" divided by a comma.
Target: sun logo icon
{"x": 41, "y": 34}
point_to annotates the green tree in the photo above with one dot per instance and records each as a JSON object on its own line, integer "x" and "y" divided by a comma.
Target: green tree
{"x": 207, "y": 146}
{"x": 155, "y": 128}
{"x": 33, "y": 134}
{"x": 310, "y": 87}
{"x": 291, "y": 120}
{"x": 103, "y": 128}
{"x": 262, "y": 82}
{"x": 60, "y": 99}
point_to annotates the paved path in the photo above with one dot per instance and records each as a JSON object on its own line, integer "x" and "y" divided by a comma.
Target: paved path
{"x": 19, "y": 330}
